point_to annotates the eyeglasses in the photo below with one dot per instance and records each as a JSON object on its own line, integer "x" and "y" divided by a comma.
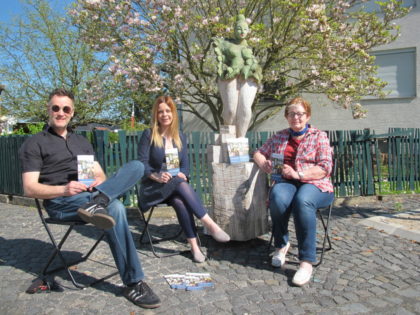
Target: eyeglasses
{"x": 293, "y": 114}
{"x": 66, "y": 109}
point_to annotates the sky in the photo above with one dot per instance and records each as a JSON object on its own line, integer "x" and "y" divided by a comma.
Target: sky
{"x": 11, "y": 8}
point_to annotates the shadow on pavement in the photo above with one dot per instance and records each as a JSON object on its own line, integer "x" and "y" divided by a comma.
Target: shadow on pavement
{"x": 31, "y": 255}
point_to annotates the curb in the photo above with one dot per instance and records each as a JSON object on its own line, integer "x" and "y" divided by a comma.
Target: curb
{"x": 382, "y": 224}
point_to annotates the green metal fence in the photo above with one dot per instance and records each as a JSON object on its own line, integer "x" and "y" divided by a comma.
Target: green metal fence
{"x": 10, "y": 179}
{"x": 361, "y": 168}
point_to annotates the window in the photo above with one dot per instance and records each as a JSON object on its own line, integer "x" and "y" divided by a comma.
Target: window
{"x": 398, "y": 68}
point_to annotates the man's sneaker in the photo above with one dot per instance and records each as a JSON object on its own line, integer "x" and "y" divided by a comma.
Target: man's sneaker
{"x": 97, "y": 215}
{"x": 142, "y": 295}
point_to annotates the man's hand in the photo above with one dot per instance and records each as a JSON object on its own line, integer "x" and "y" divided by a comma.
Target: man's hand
{"x": 97, "y": 182}
{"x": 74, "y": 188}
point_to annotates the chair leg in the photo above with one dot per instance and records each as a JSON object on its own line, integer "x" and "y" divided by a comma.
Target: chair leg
{"x": 325, "y": 225}
{"x": 57, "y": 252}
{"x": 152, "y": 241}
{"x": 65, "y": 265}
{"x": 271, "y": 242}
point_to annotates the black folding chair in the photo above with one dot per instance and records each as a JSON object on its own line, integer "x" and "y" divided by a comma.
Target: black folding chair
{"x": 151, "y": 240}
{"x": 65, "y": 265}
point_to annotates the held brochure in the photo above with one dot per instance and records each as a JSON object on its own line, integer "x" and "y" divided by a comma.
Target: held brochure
{"x": 189, "y": 281}
{"x": 277, "y": 161}
{"x": 172, "y": 161}
{"x": 85, "y": 169}
{"x": 238, "y": 150}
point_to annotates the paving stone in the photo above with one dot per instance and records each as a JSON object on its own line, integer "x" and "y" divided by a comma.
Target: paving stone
{"x": 376, "y": 302}
{"x": 403, "y": 311}
{"x": 354, "y": 308}
{"x": 326, "y": 301}
{"x": 340, "y": 300}
{"x": 411, "y": 292}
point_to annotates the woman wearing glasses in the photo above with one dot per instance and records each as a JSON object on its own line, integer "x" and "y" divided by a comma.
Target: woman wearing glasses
{"x": 302, "y": 156}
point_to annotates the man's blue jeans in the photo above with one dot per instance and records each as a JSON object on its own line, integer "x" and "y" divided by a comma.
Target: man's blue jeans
{"x": 287, "y": 197}
{"x": 119, "y": 237}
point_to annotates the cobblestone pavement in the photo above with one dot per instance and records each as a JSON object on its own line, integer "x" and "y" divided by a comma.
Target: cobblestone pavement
{"x": 368, "y": 271}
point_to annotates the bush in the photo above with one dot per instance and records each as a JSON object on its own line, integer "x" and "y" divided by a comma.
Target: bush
{"x": 30, "y": 129}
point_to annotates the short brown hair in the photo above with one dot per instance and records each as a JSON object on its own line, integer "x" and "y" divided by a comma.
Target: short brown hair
{"x": 298, "y": 101}
{"x": 61, "y": 92}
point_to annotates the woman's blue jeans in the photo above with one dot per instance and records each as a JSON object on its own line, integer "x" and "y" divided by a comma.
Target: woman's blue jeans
{"x": 301, "y": 200}
{"x": 119, "y": 237}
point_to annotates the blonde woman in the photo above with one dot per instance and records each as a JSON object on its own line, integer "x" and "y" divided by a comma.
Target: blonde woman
{"x": 160, "y": 184}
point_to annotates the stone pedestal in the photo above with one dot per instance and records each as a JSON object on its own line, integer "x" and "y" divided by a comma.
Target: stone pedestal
{"x": 239, "y": 193}
{"x": 239, "y": 200}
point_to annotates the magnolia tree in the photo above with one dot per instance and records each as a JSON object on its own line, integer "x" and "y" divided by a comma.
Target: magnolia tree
{"x": 41, "y": 51}
{"x": 311, "y": 46}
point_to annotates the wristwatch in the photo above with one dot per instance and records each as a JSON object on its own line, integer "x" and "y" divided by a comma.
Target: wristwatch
{"x": 301, "y": 175}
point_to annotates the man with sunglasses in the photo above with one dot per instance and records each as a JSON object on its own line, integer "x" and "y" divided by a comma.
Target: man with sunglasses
{"x": 49, "y": 172}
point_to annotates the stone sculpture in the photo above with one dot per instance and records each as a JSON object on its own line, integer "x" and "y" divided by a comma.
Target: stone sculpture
{"x": 239, "y": 75}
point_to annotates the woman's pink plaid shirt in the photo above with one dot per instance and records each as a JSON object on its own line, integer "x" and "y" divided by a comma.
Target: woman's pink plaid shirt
{"x": 314, "y": 149}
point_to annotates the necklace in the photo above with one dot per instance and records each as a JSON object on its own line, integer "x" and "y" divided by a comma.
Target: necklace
{"x": 298, "y": 133}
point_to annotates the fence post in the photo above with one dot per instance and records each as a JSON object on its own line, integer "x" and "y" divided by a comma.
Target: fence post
{"x": 100, "y": 141}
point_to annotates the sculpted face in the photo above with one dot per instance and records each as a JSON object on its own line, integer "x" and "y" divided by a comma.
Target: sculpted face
{"x": 241, "y": 30}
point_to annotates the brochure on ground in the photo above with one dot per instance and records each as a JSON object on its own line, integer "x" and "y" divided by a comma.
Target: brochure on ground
{"x": 189, "y": 281}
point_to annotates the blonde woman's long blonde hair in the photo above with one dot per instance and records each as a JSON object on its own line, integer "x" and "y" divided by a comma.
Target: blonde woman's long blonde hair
{"x": 157, "y": 139}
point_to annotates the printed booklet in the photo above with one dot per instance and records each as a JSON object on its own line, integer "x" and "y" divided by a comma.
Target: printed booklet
{"x": 172, "y": 161}
{"x": 238, "y": 150}
{"x": 277, "y": 161}
{"x": 85, "y": 169}
{"x": 190, "y": 281}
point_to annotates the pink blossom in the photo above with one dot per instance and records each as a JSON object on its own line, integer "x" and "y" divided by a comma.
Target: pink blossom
{"x": 185, "y": 28}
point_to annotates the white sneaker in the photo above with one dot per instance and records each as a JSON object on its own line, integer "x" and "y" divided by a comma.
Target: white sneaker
{"x": 279, "y": 257}
{"x": 302, "y": 276}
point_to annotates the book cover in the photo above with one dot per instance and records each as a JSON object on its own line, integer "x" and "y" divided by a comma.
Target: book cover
{"x": 277, "y": 161}
{"x": 85, "y": 169}
{"x": 176, "y": 281}
{"x": 238, "y": 150}
{"x": 204, "y": 280}
{"x": 172, "y": 161}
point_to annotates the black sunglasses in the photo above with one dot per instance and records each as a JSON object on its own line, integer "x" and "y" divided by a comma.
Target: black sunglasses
{"x": 66, "y": 109}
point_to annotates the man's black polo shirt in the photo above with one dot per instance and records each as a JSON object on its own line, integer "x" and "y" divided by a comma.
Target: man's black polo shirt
{"x": 53, "y": 156}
